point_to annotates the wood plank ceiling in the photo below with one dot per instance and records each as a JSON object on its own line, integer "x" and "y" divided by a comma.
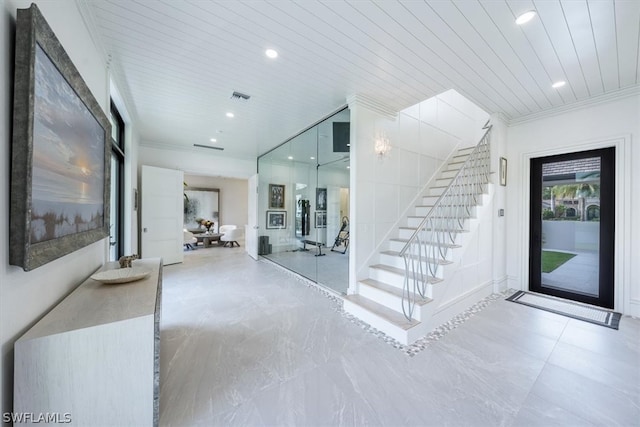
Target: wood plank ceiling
{"x": 177, "y": 61}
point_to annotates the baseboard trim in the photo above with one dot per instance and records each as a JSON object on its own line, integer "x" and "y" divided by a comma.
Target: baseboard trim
{"x": 464, "y": 296}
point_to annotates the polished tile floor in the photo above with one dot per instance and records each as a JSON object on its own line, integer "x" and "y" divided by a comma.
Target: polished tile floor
{"x": 243, "y": 343}
{"x": 330, "y": 270}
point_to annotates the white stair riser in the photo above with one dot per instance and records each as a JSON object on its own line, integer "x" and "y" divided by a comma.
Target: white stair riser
{"x": 429, "y": 200}
{"x": 385, "y": 298}
{"x": 423, "y": 211}
{"x": 435, "y": 191}
{"x": 377, "y": 322}
{"x": 442, "y": 182}
{"x": 398, "y": 262}
{"x": 451, "y": 173}
{"x": 406, "y": 233}
{"x": 450, "y": 222}
{"x": 397, "y": 246}
{"x": 387, "y": 277}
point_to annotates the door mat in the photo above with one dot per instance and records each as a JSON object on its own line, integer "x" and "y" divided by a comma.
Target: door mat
{"x": 571, "y": 309}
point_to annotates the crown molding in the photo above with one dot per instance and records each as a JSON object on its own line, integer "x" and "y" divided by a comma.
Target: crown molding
{"x": 371, "y": 104}
{"x": 589, "y": 102}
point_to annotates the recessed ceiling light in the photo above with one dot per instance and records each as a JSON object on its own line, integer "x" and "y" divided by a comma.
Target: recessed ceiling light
{"x": 271, "y": 53}
{"x": 230, "y": 115}
{"x": 558, "y": 84}
{"x": 213, "y": 140}
{"x": 525, "y": 17}
{"x": 312, "y": 158}
{"x": 290, "y": 157}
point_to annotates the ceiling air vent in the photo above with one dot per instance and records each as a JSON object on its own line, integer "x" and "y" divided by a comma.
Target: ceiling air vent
{"x": 237, "y": 96}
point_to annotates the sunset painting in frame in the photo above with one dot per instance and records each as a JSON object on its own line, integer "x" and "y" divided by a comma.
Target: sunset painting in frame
{"x": 68, "y": 159}
{"x": 60, "y": 152}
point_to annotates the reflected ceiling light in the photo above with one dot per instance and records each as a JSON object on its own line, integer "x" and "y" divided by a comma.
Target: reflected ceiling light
{"x": 558, "y": 84}
{"x": 230, "y": 115}
{"x": 271, "y": 53}
{"x": 525, "y": 17}
{"x": 290, "y": 157}
{"x": 348, "y": 167}
{"x": 312, "y": 158}
{"x": 213, "y": 140}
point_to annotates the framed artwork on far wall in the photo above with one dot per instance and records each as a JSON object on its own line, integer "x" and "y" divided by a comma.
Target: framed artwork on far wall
{"x": 321, "y": 199}
{"x": 503, "y": 171}
{"x": 276, "y": 196}
{"x": 276, "y": 219}
{"x": 321, "y": 220}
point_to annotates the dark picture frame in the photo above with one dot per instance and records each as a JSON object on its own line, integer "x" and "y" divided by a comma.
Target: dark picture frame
{"x": 276, "y": 196}
{"x": 503, "y": 171}
{"x": 320, "y": 220}
{"x": 276, "y": 219}
{"x": 61, "y": 153}
{"x": 321, "y": 199}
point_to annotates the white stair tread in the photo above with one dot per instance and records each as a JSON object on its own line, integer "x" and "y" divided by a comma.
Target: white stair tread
{"x": 440, "y": 216}
{"x": 383, "y": 312}
{"x": 437, "y": 229}
{"x": 393, "y": 290}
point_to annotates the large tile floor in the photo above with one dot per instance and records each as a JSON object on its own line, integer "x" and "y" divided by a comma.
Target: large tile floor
{"x": 331, "y": 270}
{"x": 243, "y": 343}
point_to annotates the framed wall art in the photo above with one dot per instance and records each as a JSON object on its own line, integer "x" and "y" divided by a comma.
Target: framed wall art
{"x": 60, "y": 164}
{"x": 321, "y": 220}
{"x": 276, "y": 219}
{"x": 503, "y": 171}
{"x": 321, "y": 199}
{"x": 276, "y": 196}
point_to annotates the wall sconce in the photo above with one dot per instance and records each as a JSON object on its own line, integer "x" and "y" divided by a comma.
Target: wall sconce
{"x": 381, "y": 144}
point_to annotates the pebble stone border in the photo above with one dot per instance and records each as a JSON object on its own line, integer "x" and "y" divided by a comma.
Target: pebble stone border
{"x": 411, "y": 349}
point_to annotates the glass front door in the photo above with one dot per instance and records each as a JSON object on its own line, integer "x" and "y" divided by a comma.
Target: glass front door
{"x": 572, "y": 226}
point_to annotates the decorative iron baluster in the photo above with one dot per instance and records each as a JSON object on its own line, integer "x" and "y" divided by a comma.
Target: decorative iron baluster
{"x": 428, "y": 245}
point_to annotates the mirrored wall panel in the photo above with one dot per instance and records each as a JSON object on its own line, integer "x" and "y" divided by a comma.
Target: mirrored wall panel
{"x": 304, "y": 203}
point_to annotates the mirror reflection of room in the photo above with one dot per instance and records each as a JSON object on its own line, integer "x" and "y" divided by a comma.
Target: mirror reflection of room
{"x": 313, "y": 171}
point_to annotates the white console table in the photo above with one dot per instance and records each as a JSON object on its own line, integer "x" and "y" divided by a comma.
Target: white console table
{"x": 96, "y": 355}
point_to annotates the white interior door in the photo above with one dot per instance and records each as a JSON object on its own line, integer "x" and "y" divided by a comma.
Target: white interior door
{"x": 251, "y": 233}
{"x": 162, "y": 214}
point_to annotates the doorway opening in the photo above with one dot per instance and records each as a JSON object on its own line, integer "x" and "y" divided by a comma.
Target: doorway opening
{"x": 572, "y": 226}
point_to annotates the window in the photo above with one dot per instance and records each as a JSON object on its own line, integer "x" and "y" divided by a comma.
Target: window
{"x": 116, "y": 227}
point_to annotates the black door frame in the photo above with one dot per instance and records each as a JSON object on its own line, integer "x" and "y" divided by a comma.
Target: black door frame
{"x": 607, "y": 227}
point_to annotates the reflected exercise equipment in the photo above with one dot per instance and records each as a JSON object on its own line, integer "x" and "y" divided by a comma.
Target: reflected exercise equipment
{"x": 342, "y": 239}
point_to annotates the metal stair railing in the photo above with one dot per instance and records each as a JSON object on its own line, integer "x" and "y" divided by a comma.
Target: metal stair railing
{"x": 427, "y": 247}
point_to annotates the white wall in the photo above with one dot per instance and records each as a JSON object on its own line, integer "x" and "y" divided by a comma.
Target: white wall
{"x": 197, "y": 162}
{"x": 422, "y": 137}
{"x": 26, "y": 297}
{"x": 604, "y": 124}
{"x": 233, "y": 197}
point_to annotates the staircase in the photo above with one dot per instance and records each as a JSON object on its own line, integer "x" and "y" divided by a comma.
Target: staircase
{"x": 403, "y": 292}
